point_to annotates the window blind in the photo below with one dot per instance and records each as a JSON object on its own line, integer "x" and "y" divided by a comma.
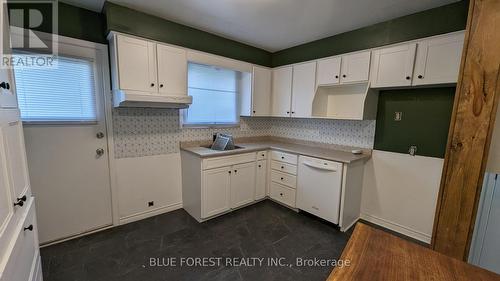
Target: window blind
{"x": 214, "y": 92}
{"x": 64, "y": 93}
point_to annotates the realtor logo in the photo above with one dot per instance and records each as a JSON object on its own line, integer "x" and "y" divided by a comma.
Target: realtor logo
{"x": 33, "y": 34}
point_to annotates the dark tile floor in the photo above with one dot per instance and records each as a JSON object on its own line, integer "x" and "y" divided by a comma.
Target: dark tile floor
{"x": 264, "y": 230}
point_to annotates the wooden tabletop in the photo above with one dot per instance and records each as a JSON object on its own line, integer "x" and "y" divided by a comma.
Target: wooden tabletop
{"x": 378, "y": 255}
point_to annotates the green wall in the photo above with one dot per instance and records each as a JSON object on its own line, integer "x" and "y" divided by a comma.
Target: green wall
{"x": 130, "y": 21}
{"x": 76, "y": 23}
{"x": 425, "y": 121}
{"x": 435, "y": 21}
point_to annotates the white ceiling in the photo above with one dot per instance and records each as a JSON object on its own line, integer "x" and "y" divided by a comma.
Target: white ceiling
{"x": 274, "y": 24}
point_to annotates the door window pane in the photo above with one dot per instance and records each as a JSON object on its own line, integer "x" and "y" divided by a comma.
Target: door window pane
{"x": 65, "y": 93}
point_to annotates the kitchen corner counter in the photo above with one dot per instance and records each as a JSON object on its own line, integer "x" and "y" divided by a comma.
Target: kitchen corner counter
{"x": 326, "y": 153}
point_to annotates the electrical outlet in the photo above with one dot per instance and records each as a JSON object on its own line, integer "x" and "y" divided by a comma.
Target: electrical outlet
{"x": 398, "y": 116}
{"x": 151, "y": 203}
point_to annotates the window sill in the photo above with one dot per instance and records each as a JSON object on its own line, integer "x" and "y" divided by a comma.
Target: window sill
{"x": 209, "y": 126}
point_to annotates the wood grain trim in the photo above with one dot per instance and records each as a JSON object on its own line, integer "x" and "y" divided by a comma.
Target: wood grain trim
{"x": 473, "y": 117}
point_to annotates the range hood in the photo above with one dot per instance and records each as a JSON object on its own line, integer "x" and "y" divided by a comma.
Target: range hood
{"x": 124, "y": 98}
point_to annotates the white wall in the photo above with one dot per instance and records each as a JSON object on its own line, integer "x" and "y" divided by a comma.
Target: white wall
{"x": 493, "y": 165}
{"x": 149, "y": 178}
{"x": 400, "y": 192}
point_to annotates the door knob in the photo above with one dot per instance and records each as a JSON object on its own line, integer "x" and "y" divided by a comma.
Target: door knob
{"x": 30, "y": 228}
{"x": 100, "y": 135}
{"x": 99, "y": 151}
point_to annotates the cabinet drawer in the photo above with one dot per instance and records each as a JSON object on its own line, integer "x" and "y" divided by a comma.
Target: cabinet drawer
{"x": 262, "y": 155}
{"x": 284, "y": 157}
{"x": 21, "y": 263}
{"x": 283, "y": 194}
{"x": 284, "y": 167}
{"x": 224, "y": 161}
{"x": 285, "y": 179}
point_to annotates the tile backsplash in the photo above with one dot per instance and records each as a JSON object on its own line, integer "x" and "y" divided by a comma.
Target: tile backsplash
{"x": 144, "y": 131}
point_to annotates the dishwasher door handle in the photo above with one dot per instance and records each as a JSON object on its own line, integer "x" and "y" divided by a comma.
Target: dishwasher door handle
{"x": 319, "y": 167}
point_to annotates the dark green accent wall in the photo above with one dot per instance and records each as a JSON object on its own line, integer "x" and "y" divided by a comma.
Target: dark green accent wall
{"x": 81, "y": 23}
{"x": 431, "y": 22}
{"x": 425, "y": 122}
{"x": 130, "y": 21}
{"x": 76, "y": 23}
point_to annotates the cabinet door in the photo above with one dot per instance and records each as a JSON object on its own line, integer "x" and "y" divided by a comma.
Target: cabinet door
{"x": 282, "y": 91}
{"x": 438, "y": 60}
{"x": 393, "y": 67}
{"x": 261, "y": 179}
{"x": 136, "y": 64}
{"x": 215, "y": 191}
{"x": 303, "y": 89}
{"x": 242, "y": 184}
{"x": 328, "y": 71}
{"x": 16, "y": 157}
{"x": 261, "y": 91}
{"x": 355, "y": 67}
{"x": 6, "y": 201}
{"x": 172, "y": 70}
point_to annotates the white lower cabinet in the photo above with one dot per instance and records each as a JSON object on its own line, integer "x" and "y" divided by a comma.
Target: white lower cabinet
{"x": 242, "y": 184}
{"x": 23, "y": 262}
{"x": 227, "y": 188}
{"x": 216, "y": 191}
{"x": 283, "y": 194}
{"x": 261, "y": 179}
{"x": 216, "y": 185}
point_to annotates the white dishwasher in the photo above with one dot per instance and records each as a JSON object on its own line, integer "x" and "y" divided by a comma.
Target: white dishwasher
{"x": 319, "y": 184}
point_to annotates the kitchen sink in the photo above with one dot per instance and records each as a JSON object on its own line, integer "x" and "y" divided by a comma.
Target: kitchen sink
{"x": 235, "y": 147}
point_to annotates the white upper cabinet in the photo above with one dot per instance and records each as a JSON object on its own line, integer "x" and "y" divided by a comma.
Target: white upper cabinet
{"x": 393, "y": 66}
{"x": 328, "y": 71}
{"x": 147, "y": 73}
{"x": 172, "y": 70}
{"x": 281, "y": 91}
{"x": 137, "y": 66}
{"x": 8, "y": 97}
{"x": 355, "y": 67}
{"x": 438, "y": 60}
{"x": 303, "y": 89}
{"x": 261, "y": 91}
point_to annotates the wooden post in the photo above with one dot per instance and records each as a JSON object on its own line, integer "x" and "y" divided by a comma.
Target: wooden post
{"x": 473, "y": 117}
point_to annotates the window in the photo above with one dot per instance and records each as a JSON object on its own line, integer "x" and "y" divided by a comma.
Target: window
{"x": 65, "y": 93}
{"x": 215, "y": 93}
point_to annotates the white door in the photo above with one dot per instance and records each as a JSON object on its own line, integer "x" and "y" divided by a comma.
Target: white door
{"x": 303, "y": 89}
{"x": 172, "y": 70}
{"x": 438, "y": 60}
{"x": 216, "y": 191}
{"x": 261, "y": 91}
{"x": 66, "y": 140}
{"x": 242, "y": 184}
{"x": 328, "y": 71}
{"x": 393, "y": 66}
{"x": 282, "y": 91}
{"x": 261, "y": 179}
{"x": 137, "y": 64}
{"x": 355, "y": 67}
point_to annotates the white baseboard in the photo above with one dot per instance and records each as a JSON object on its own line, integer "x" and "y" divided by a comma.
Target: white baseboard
{"x": 415, "y": 234}
{"x": 151, "y": 213}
